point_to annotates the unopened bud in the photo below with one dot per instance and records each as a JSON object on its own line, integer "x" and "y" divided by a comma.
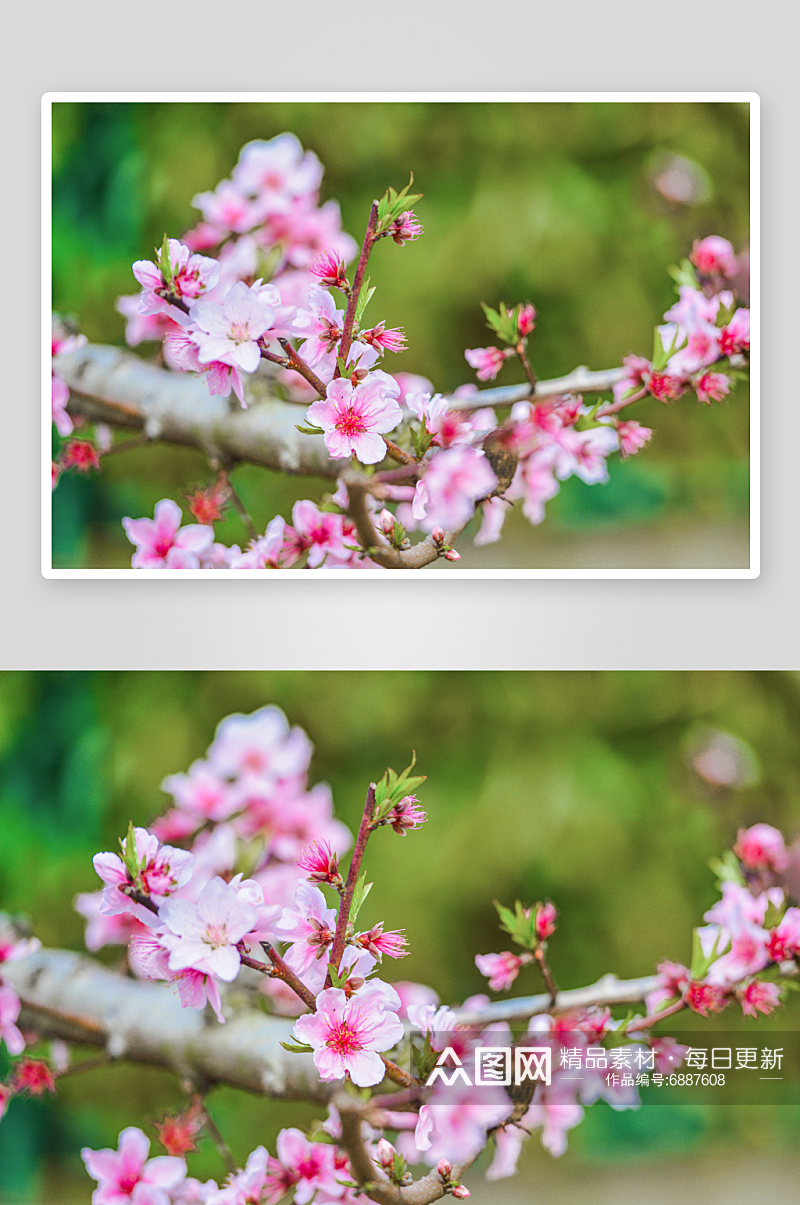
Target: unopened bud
{"x": 438, "y": 535}
{"x": 358, "y": 375}
{"x": 526, "y": 320}
{"x": 546, "y": 920}
{"x": 461, "y": 1192}
{"x": 385, "y": 1154}
{"x": 452, "y": 555}
{"x": 444, "y": 1168}
{"x": 386, "y": 520}
{"x": 352, "y": 984}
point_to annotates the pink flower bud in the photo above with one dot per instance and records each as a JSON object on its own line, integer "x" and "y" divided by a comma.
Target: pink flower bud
{"x": 386, "y": 520}
{"x": 385, "y": 1154}
{"x": 438, "y": 535}
{"x": 526, "y": 320}
{"x": 452, "y": 555}
{"x": 546, "y": 920}
{"x": 461, "y": 1192}
{"x": 444, "y": 1168}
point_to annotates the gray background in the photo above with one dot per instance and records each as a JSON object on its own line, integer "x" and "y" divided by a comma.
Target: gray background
{"x": 371, "y": 46}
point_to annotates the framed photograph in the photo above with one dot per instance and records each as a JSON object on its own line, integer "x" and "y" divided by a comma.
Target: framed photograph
{"x": 485, "y": 335}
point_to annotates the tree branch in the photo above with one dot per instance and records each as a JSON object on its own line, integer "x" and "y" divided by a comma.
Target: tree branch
{"x": 608, "y": 990}
{"x": 580, "y": 380}
{"x": 113, "y": 386}
{"x": 376, "y": 1187}
{"x": 378, "y": 547}
{"x": 67, "y": 995}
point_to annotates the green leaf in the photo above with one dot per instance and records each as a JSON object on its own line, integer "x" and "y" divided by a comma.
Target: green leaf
{"x": 337, "y": 979}
{"x": 727, "y": 869}
{"x": 363, "y": 299}
{"x": 165, "y": 263}
{"x": 128, "y": 847}
{"x": 297, "y": 1047}
{"x": 360, "y": 893}
{"x": 702, "y": 962}
{"x": 309, "y": 430}
{"x": 660, "y": 356}
{"x": 399, "y": 1167}
{"x": 684, "y": 274}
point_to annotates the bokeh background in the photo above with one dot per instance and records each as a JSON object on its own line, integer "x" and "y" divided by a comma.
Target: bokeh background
{"x": 578, "y": 207}
{"x": 607, "y": 792}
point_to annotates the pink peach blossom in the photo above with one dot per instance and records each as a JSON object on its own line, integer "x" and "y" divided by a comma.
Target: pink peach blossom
{"x": 348, "y": 1034}
{"x": 500, "y": 969}
{"x": 161, "y": 543}
{"x": 487, "y": 361}
{"x": 128, "y": 1175}
{"x": 354, "y": 417}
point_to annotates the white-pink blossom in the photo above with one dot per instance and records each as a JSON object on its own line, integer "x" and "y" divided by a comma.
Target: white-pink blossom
{"x": 487, "y": 361}
{"x": 348, "y": 1034}
{"x": 277, "y": 169}
{"x": 128, "y": 1175}
{"x": 9, "y": 1012}
{"x": 500, "y": 969}
{"x": 203, "y": 936}
{"x": 162, "y": 870}
{"x": 455, "y": 479}
{"x": 228, "y": 332}
{"x": 192, "y": 276}
{"x": 309, "y": 926}
{"x": 161, "y": 542}
{"x": 261, "y": 743}
{"x": 355, "y": 417}
{"x": 762, "y": 847}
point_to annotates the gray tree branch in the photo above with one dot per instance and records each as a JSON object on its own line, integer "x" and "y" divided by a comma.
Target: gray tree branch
{"x": 67, "y": 995}
{"x": 71, "y": 996}
{"x": 111, "y": 385}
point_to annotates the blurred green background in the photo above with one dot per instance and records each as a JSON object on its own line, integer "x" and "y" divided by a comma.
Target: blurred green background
{"x": 582, "y": 787}
{"x": 556, "y": 203}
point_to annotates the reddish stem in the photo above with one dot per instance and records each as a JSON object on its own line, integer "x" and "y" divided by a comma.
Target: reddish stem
{"x": 337, "y": 949}
{"x": 615, "y": 407}
{"x": 352, "y": 301}
{"x": 526, "y": 364}
{"x": 298, "y": 364}
{"x": 648, "y": 1022}
{"x": 398, "y": 454}
{"x": 282, "y": 971}
{"x": 547, "y": 974}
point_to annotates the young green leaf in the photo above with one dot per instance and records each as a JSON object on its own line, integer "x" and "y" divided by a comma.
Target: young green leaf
{"x": 360, "y": 893}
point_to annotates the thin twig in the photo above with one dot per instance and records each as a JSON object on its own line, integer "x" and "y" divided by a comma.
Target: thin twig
{"x": 547, "y": 974}
{"x": 284, "y": 972}
{"x": 352, "y": 300}
{"x": 526, "y": 364}
{"x": 375, "y": 545}
{"x": 397, "y": 453}
{"x": 649, "y": 1021}
{"x": 337, "y": 949}
{"x": 298, "y": 364}
{"x": 127, "y": 445}
{"x": 102, "y": 1060}
{"x": 225, "y": 1153}
{"x": 240, "y": 507}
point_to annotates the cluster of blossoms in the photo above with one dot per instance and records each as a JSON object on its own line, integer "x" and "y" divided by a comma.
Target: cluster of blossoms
{"x": 243, "y": 859}
{"x": 252, "y": 290}
{"x": 28, "y": 1074}
{"x": 752, "y": 933}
